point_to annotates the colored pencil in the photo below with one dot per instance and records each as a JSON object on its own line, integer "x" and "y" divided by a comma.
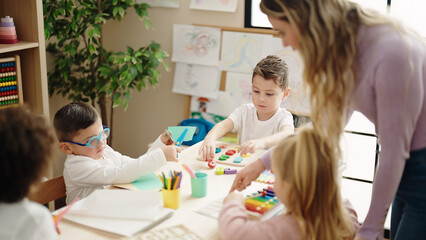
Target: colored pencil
{"x": 188, "y": 170}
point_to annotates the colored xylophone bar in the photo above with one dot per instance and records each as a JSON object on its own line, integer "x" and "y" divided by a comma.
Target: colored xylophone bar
{"x": 261, "y": 201}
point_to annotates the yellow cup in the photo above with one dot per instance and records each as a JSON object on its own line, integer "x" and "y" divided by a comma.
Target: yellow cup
{"x": 171, "y": 198}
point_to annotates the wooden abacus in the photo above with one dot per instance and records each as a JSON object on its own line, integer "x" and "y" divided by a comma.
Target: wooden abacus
{"x": 10, "y": 82}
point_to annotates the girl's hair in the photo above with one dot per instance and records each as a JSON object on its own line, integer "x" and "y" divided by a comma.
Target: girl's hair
{"x": 73, "y": 117}
{"x": 26, "y": 153}
{"x": 275, "y": 68}
{"x": 327, "y": 32}
{"x": 307, "y": 163}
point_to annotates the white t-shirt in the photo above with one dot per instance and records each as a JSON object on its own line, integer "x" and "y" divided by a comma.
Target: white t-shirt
{"x": 83, "y": 175}
{"x": 26, "y": 220}
{"x": 249, "y": 127}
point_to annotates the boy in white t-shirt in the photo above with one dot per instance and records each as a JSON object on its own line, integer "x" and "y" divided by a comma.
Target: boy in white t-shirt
{"x": 92, "y": 164}
{"x": 26, "y": 155}
{"x": 260, "y": 124}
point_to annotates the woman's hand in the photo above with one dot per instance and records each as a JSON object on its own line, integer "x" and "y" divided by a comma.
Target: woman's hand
{"x": 248, "y": 174}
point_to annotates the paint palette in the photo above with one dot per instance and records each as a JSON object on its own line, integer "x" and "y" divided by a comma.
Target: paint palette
{"x": 226, "y": 153}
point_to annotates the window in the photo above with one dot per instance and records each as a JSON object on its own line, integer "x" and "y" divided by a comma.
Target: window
{"x": 411, "y": 12}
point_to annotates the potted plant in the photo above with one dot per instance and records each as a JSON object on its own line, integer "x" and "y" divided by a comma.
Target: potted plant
{"x": 83, "y": 69}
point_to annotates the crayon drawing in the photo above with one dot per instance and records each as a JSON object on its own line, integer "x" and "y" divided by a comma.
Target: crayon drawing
{"x": 196, "y": 80}
{"x": 161, "y": 3}
{"x": 214, "y": 5}
{"x": 298, "y": 100}
{"x": 241, "y": 51}
{"x": 196, "y": 45}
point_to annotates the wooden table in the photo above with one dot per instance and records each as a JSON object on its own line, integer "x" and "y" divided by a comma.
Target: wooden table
{"x": 206, "y": 227}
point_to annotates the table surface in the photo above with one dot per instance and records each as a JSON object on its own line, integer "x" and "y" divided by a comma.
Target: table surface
{"x": 218, "y": 187}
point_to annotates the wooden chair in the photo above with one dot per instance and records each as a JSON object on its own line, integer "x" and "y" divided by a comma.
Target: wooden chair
{"x": 50, "y": 190}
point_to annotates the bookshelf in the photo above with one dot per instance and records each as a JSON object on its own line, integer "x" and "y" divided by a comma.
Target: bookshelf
{"x": 28, "y": 18}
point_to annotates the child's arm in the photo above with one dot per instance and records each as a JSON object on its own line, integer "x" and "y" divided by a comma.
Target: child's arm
{"x": 207, "y": 150}
{"x": 264, "y": 143}
{"x": 117, "y": 168}
{"x": 234, "y": 223}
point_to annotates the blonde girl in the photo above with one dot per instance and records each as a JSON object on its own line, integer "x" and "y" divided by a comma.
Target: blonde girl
{"x": 305, "y": 181}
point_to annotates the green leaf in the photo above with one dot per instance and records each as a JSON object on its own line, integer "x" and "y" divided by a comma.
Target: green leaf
{"x": 121, "y": 11}
{"x": 96, "y": 32}
{"x": 123, "y": 75}
{"x": 166, "y": 66}
{"x": 91, "y": 33}
{"x": 116, "y": 103}
{"x": 127, "y": 95}
{"x": 147, "y": 23}
{"x": 133, "y": 72}
{"x": 139, "y": 67}
{"x": 116, "y": 96}
{"x": 125, "y": 104}
{"x": 74, "y": 26}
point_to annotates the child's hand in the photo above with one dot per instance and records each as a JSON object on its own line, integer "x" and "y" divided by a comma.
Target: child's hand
{"x": 234, "y": 196}
{"x": 208, "y": 149}
{"x": 251, "y": 146}
{"x": 246, "y": 175}
{"x": 166, "y": 139}
{"x": 171, "y": 152}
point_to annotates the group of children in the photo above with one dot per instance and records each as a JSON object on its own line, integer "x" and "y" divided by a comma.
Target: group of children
{"x": 306, "y": 173}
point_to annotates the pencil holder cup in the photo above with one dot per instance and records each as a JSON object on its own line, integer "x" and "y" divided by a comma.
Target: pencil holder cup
{"x": 171, "y": 198}
{"x": 199, "y": 185}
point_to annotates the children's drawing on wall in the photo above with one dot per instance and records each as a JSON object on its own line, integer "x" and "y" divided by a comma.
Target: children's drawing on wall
{"x": 238, "y": 85}
{"x": 298, "y": 101}
{"x": 161, "y": 3}
{"x": 196, "y": 45}
{"x": 213, "y": 110}
{"x": 196, "y": 80}
{"x": 241, "y": 51}
{"x": 214, "y": 5}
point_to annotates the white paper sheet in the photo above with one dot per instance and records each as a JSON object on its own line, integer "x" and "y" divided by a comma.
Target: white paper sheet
{"x": 196, "y": 45}
{"x": 124, "y": 227}
{"x": 238, "y": 85}
{"x": 196, "y": 80}
{"x": 118, "y": 203}
{"x": 214, "y": 5}
{"x": 241, "y": 51}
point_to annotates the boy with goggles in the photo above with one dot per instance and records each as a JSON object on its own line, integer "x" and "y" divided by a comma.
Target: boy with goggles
{"x": 92, "y": 164}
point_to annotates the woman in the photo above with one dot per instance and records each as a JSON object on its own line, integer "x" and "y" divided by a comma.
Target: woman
{"x": 357, "y": 59}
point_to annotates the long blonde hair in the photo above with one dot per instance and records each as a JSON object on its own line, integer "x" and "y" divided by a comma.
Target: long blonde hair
{"x": 327, "y": 33}
{"x": 307, "y": 163}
